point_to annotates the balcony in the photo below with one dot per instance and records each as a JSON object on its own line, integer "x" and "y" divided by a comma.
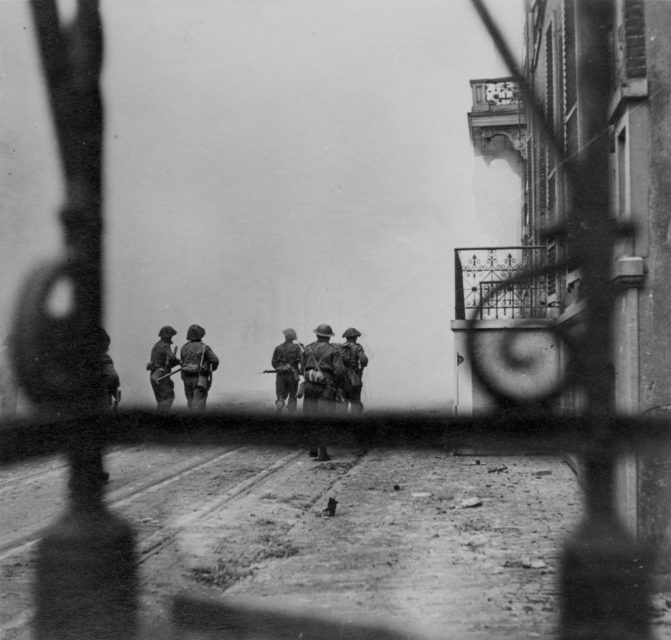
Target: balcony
{"x": 496, "y": 96}
{"x": 481, "y": 274}
{"x": 497, "y": 121}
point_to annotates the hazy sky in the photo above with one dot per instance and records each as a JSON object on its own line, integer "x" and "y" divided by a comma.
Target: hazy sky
{"x": 273, "y": 164}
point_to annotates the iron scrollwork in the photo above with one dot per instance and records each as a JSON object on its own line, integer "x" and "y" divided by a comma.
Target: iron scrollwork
{"x": 515, "y": 369}
{"x": 55, "y": 355}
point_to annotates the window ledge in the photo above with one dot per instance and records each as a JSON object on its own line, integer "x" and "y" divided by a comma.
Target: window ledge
{"x": 634, "y": 89}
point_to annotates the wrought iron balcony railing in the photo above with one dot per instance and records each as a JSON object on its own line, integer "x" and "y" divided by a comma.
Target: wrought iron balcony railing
{"x": 481, "y": 274}
{"x": 495, "y": 95}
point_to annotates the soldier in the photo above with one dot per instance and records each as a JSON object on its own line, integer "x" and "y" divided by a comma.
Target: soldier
{"x": 110, "y": 376}
{"x": 286, "y": 361}
{"x": 161, "y": 361}
{"x": 320, "y": 365}
{"x": 100, "y": 371}
{"x": 354, "y": 361}
{"x": 111, "y": 381}
{"x": 198, "y": 363}
{"x": 8, "y": 389}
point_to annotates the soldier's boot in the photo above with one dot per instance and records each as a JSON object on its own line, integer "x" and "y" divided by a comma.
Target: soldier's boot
{"x": 279, "y": 405}
{"x": 313, "y": 453}
{"x": 322, "y": 455}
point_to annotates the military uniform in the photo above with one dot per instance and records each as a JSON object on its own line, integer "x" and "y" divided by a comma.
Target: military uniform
{"x": 161, "y": 360}
{"x": 354, "y": 361}
{"x": 321, "y": 365}
{"x": 198, "y": 363}
{"x": 103, "y": 369}
{"x": 286, "y": 361}
{"x": 111, "y": 380}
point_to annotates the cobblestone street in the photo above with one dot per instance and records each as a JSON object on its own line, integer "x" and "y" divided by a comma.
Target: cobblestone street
{"x": 425, "y": 543}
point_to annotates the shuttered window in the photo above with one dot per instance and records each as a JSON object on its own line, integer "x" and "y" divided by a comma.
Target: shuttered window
{"x": 570, "y": 55}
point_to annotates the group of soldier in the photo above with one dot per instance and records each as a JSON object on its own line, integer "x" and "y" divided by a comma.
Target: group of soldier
{"x": 196, "y": 363}
{"x": 332, "y": 375}
{"x": 332, "y": 372}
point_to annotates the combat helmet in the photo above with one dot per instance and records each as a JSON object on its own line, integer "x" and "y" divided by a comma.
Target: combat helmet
{"x": 324, "y": 330}
{"x": 351, "y": 333}
{"x": 195, "y": 332}
{"x": 290, "y": 333}
{"x": 166, "y": 332}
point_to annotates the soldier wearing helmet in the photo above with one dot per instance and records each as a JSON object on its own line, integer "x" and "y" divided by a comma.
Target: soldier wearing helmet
{"x": 198, "y": 363}
{"x": 286, "y": 361}
{"x": 162, "y": 359}
{"x": 321, "y": 365}
{"x": 111, "y": 381}
{"x": 354, "y": 361}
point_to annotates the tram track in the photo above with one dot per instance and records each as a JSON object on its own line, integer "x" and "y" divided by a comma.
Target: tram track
{"x": 55, "y": 469}
{"x": 150, "y": 540}
{"x": 117, "y": 498}
{"x": 33, "y": 475}
{"x": 177, "y": 504}
{"x": 153, "y": 544}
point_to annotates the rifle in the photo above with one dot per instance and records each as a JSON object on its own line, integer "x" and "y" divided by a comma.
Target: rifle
{"x": 167, "y": 375}
{"x": 275, "y": 371}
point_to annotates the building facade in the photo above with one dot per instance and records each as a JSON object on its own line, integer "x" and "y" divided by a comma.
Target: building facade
{"x": 636, "y": 135}
{"x": 637, "y": 138}
{"x": 511, "y": 314}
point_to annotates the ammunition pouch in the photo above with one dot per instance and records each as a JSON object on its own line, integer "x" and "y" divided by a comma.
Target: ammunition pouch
{"x": 191, "y": 369}
{"x": 352, "y": 378}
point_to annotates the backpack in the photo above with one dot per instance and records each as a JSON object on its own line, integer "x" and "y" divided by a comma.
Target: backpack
{"x": 195, "y": 369}
{"x": 313, "y": 372}
{"x": 349, "y": 359}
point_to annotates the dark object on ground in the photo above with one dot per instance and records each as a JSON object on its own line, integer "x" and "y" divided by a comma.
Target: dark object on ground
{"x": 500, "y": 469}
{"x": 330, "y": 508}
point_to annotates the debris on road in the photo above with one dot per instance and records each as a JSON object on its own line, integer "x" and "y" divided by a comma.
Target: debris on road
{"x": 533, "y": 564}
{"x": 500, "y": 469}
{"x": 468, "y": 503}
{"x": 477, "y": 541}
{"x": 421, "y": 494}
